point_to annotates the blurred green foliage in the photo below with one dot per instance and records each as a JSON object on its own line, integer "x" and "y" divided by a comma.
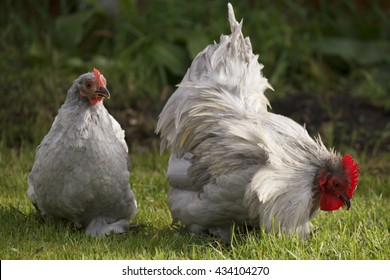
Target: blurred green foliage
{"x": 144, "y": 48}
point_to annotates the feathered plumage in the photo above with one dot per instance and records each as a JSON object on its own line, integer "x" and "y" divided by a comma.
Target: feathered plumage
{"x": 231, "y": 160}
{"x": 81, "y": 170}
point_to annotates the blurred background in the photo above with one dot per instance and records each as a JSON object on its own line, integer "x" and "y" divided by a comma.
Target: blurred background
{"x": 328, "y": 61}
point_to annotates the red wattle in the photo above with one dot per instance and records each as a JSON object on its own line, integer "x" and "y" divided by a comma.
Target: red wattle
{"x": 330, "y": 202}
{"x": 95, "y": 100}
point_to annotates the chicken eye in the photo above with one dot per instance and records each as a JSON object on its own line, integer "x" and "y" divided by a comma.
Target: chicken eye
{"x": 88, "y": 85}
{"x": 336, "y": 184}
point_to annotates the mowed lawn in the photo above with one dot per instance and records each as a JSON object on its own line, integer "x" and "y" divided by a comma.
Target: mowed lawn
{"x": 360, "y": 233}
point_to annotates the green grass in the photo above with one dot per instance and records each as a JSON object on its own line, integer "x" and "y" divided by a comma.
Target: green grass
{"x": 361, "y": 233}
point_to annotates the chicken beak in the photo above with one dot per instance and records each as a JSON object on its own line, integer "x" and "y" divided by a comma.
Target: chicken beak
{"x": 347, "y": 202}
{"x": 103, "y": 92}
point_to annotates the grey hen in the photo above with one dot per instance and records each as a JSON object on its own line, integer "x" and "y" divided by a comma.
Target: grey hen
{"x": 81, "y": 169}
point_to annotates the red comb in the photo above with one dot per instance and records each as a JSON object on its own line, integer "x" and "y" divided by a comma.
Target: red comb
{"x": 98, "y": 77}
{"x": 351, "y": 170}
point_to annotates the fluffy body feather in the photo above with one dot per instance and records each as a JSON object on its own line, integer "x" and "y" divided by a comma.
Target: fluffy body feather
{"x": 81, "y": 170}
{"x": 231, "y": 160}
